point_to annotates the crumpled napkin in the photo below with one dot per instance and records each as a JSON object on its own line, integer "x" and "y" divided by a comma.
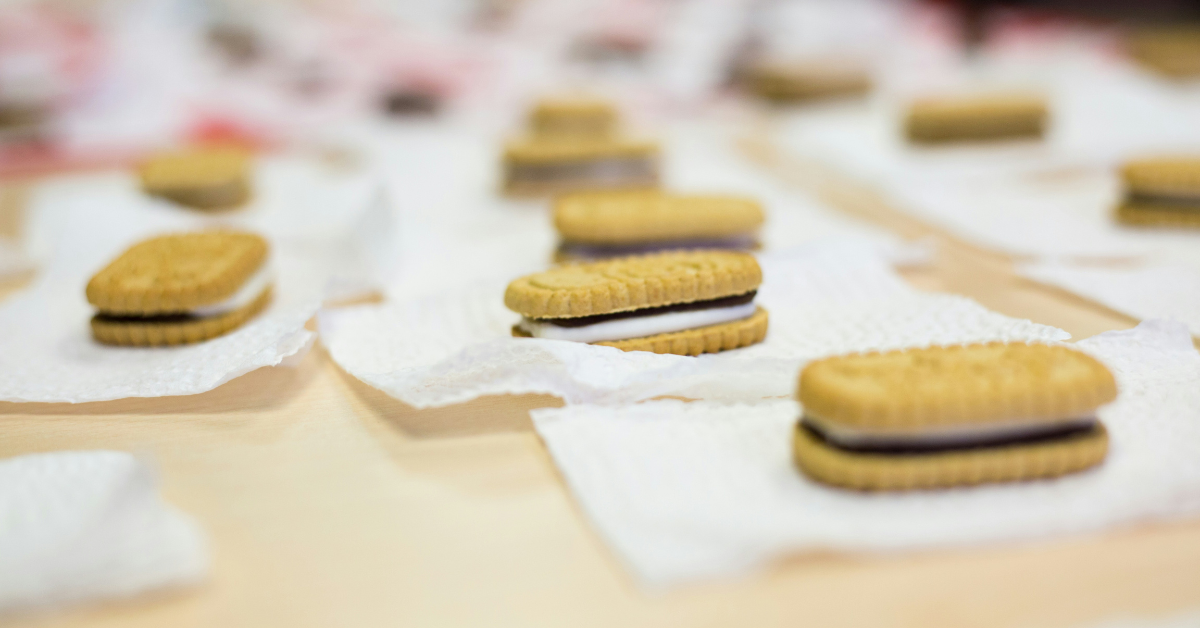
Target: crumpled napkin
{"x": 81, "y": 223}
{"x": 824, "y": 299}
{"x": 684, "y": 491}
{"x": 83, "y": 525}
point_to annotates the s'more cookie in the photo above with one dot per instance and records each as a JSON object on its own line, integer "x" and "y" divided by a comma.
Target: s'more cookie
{"x": 686, "y": 303}
{"x": 1173, "y": 51}
{"x": 540, "y": 166}
{"x": 595, "y": 225}
{"x": 1161, "y": 192}
{"x": 976, "y": 117}
{"x": 178, "y": 289}
{"x": 204, "y": 178}
{"x": 577, "y": 117}
{"x": 951, "y": 416}
{"x": 795, "y": 81}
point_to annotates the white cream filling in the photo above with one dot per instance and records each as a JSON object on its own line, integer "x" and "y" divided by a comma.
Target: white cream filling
{"x": 942, "y": 436}
{"x": 249, "y": 291}
{"x": 638, "y": 326}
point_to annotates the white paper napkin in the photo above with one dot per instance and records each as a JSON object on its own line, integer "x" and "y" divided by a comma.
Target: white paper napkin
{"x": 85, "y": 525}
{"x": 685, "y": 491}
{"x": 824, "y": 299}
{"x": 1189, "y": 619}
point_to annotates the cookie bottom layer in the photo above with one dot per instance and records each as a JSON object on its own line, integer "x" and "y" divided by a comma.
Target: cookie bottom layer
{"x": 158, "y": 333}
{"x": 901, "y": 472}
{"x": 948, "y": 132}
{"x": 1153, "y": 215}
{"x": 214, "y": 197}
{"x": 712, "y": 339}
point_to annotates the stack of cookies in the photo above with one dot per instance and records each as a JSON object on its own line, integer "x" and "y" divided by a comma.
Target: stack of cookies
{"x": 1161, "y": 192}
{"x": 976, "y": 118}
{"x": 575, "y": 144}
{"x": 594, "y": 225}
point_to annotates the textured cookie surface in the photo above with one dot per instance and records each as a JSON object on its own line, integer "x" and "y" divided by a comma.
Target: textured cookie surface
{"x": 711, "y": 339}
{"x": 976, "y": 117}
{"x": 649, "y": 216}
{"x": 1163, "y": 176}
{"x": 204, "y": 178}
{"x": 573, "y": 116}
{"x": 884, "y": 472}
{"x": 1157, "y": 215}
{"x": 631, "y": 283}
{"x": 960, "y": 385}
{"x": 173, "y": 330}
{"x": 177, "y": 273}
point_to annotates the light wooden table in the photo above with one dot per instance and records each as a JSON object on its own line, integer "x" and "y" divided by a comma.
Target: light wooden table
{"x": 330, "y": 504}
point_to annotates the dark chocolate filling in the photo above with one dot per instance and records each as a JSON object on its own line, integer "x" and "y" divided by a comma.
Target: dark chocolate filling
{"x": 599, "y": 170}
{"x": 159, "y": 318}
{"x": 1172, "y": 203}
{"x": 577, "y": 249}
{"x": 582, "y": 321}
{"x": 1061, "y": 433}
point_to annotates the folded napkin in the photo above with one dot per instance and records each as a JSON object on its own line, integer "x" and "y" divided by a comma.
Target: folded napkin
{"x": 685, "y": 491}
{"x": 823, "y": 299}
{"x": 84, "y": 525}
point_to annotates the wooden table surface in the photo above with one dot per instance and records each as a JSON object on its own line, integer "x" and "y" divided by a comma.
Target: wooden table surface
{"x": 331, "y": 504}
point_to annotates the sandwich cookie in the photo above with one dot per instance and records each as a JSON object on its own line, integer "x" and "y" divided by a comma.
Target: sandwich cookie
{"x": 573, "y": 117}
{"x": 686, "y": 303}
{"x": 540, "y": 166}
{"x": 1173, "y": 51}
{"x": 977, "y": 117}
{"x": 1161, "y": 192}
{"x": 796, "y": 81}
{"x": 179, "y": 289}
{"x": 951, "y": 416}
{"x": 595, "y": 225}
{"x": 208, "y": 179}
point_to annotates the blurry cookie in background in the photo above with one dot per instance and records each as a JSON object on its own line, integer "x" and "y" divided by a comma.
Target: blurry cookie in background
{"x": 977, "y": 117}
{"x": 1163, "y": 192}
{"x": 596, "y": 225}
{"x": 1173, "y": 51}
{"x": 180, "y": 289}
{"x": 573, "y": 117}
{"x": 536, "y": 167}
{"x": 200, "y": 178}
{"x": 685, "y": 303}
{"x": 941, "y": 417}
{"x": 795, "y": 81}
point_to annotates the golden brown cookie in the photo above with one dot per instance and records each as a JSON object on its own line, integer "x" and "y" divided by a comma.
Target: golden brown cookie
{"x": 1162, "y": 192}
{"x": 536, "y": 167}
{"x": 977, "y": 117}
{"x": 210, "y": 178}
{"x": 1173, "y": 51}
{"x": 652, "y": 216}
{"x": 633, "y": 283}
{"x": 579, "y": 117}
{"x": 891, "y": 472}
{"x": 795, "y": 81}
{"x": 710, "y": 339}
{"x": 177, "y": 273}
{"x": 944, "y": 416}
{"x": 1142, "y": 214}
{"x": 169, "y": 330}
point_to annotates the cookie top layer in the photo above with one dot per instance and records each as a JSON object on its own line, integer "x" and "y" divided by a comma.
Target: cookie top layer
{"x": 978, "y": 107}
{"x": 573, "y": 116}
{"x": 961, "y": 385}
{"x": 535, "y": 150}
{"x": 200, "y": 168}
{"x": 1167, "y": 176}
{"x": 177, "y": 273}
{"x": 632, "y": 283}
{"x": 650, "y": 216}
